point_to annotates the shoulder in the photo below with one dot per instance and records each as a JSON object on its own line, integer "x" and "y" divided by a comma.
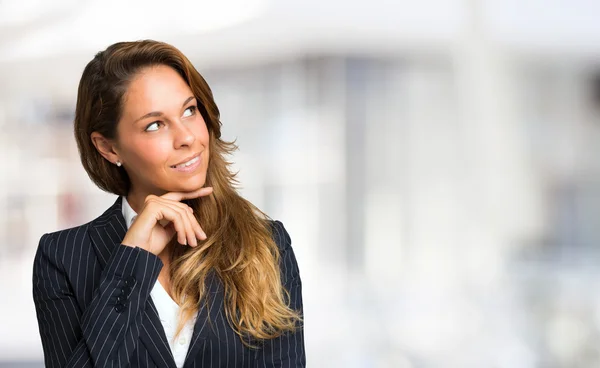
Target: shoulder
{"x": 73, "y": 240}
{"x": 287, "y": 258}
{"x": 53, "y": 246}
{"x": 66, "y": 236}
{"x": 280, "y": 235}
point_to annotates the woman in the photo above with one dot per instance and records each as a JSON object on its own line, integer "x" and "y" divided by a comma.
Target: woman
{"x": 180, "y": 271}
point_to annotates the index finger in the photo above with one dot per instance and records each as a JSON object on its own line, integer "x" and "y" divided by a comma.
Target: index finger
{"x": 180, "y": 196}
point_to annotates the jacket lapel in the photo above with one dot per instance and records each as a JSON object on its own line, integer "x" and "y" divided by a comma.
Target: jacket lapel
{"x": 206, "y": 317}
{"x": 106, "y": 233}
{"x": 152, "y": 335}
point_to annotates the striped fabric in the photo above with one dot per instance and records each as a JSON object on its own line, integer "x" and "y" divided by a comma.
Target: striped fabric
{"x": 93, "y": 304}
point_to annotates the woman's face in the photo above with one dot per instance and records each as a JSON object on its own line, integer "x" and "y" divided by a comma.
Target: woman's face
{"x": 162, "y": 137}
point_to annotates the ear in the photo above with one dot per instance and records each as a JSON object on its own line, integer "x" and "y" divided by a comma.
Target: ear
{"x": 106, "y": 147}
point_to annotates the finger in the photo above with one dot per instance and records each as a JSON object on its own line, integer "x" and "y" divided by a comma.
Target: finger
{"x": 200, "y": 234}
{"x": 195, "y": 231}
{"x": 180, "y": 196}
{"x": 183, "y": 217}
{"x": 196, "y": 227}
{"x": 173, "y": 216}
{"x": 191, "y": 233}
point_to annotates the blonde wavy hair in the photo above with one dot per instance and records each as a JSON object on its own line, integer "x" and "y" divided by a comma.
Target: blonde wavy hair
{"x": 241, "y": 250}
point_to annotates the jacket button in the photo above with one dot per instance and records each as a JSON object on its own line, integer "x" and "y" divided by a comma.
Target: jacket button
{"x": 126, "y": 290}
{"x": 119, "y": 308}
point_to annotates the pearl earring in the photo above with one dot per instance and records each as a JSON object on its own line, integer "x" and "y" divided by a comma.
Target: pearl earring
{"x": 119, "y": 163}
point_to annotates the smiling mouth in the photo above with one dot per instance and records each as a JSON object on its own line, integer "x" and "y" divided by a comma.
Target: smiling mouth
{"x": 187, "y": 163}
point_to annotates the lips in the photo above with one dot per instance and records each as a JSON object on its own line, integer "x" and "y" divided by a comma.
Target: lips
{"x": 187, "y": 162}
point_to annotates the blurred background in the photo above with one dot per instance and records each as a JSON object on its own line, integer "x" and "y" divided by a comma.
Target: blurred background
{"x": 434, "y": 162}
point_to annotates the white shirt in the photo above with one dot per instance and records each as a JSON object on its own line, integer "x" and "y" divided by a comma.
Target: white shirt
{"x": 168, "y": 310}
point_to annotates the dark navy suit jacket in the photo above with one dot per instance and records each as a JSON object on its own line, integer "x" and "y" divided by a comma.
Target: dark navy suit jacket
{"x": 94, "y": 309}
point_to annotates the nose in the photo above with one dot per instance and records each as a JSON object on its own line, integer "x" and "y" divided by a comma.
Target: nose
{"x": 183, "y": 136}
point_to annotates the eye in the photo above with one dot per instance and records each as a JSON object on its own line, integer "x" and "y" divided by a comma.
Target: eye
{"x": 152, "y": 126}
{"x": 192, "y": 110}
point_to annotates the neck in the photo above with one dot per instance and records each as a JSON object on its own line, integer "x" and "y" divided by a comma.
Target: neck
{"x": 136, "y": 198}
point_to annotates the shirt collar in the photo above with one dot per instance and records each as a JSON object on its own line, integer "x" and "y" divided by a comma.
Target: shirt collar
{"x": 128, "y": 213}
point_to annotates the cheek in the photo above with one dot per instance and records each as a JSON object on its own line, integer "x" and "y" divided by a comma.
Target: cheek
{"x": 201, "y": 133}
{"x": 150, "y": 153}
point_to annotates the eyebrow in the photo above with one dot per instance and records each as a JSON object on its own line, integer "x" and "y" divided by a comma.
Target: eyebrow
{"x": 154, "y": 114}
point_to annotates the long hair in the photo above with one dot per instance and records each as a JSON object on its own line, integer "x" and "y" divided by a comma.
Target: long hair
{"x": 240, "y": 249}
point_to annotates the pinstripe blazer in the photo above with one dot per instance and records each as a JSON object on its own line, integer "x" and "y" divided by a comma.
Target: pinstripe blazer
{"x": 94, "y": 309}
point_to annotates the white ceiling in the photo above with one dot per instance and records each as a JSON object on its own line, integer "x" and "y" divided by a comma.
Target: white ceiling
{"x": 40, "y": 38}
{"x": 39, "y": 28}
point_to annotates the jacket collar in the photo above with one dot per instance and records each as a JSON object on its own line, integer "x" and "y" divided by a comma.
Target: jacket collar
{"x": 107, "y": 231}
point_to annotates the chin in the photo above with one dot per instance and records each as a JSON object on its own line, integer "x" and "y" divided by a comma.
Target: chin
{"x": 189, "y": 184}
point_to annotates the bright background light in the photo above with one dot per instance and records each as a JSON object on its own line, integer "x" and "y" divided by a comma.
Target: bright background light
{"x": 435, "y": 162}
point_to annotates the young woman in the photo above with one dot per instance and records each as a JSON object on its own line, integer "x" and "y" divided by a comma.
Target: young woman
{"x": 180, "y": 271}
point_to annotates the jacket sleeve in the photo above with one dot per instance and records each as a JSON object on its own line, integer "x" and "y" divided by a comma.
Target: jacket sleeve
{"x": 286, "y": 350}
{"x": 105, "y": 333}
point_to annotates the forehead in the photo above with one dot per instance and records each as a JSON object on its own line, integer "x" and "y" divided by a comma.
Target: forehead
{"x": 155, "y": 88}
